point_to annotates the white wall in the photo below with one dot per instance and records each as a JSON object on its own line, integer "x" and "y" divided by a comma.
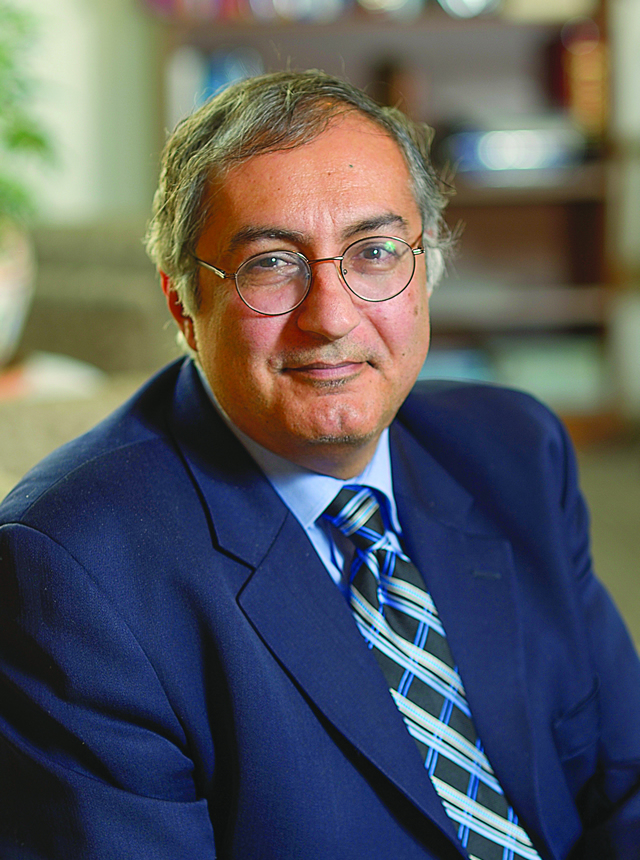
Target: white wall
{"x": 625, "y": 34}
{"x": 96, "y": 62}
{"x": 625, "y": 310}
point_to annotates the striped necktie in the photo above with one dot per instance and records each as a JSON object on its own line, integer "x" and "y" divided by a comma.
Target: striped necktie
{"x": 400, "y": 623}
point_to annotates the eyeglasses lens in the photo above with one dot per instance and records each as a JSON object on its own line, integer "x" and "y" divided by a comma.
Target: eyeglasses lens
{"x": 378, "y": 269}
{"x": 275, "y": 282}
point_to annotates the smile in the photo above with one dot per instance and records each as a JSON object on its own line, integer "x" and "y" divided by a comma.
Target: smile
{"x": 321, "y": 370}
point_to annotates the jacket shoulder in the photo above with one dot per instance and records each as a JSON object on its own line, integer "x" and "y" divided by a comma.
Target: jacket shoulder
{"x": 489, "y": 436}
{"x": 467, "y": 409}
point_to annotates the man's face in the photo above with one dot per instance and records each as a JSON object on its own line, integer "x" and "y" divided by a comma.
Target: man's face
{"x": 319, "y": 384}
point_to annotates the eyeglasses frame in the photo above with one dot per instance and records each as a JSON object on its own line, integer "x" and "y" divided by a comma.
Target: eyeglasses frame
{"x": 229, "y": 275}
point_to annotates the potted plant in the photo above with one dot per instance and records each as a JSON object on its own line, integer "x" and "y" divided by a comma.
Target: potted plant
{"x": 21, "y": 140}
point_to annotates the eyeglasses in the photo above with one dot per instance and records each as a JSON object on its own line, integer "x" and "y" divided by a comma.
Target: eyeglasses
{"x": 375, "y": 269}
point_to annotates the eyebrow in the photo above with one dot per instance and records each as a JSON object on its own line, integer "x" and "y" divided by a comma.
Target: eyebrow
{"x": 367, "y": 225}
{"x": 253, "y": 234}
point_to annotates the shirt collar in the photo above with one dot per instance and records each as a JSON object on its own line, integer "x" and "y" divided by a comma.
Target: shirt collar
{"x": 307, "y": 494}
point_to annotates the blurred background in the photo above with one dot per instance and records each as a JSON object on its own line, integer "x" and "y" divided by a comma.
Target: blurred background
{"x": 536, "y": 118}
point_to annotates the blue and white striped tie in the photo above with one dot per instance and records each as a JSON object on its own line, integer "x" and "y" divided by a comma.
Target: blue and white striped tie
{"x": 400, "y": 623}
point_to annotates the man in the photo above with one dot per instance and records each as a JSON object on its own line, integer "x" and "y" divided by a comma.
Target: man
{"x": 277, "y": 606}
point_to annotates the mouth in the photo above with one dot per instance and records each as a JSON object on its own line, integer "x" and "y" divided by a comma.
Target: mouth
{"x": 327, "y": 371}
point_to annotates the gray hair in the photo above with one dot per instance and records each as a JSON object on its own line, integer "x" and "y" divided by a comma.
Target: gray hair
{"x": 268, "y": 113}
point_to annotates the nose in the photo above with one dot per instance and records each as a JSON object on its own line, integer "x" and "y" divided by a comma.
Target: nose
{"x": 329, "y": 309}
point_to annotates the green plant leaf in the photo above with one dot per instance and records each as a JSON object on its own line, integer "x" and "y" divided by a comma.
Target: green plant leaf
{"x": 22, "y": 137}
{"x": 16, "y": 201}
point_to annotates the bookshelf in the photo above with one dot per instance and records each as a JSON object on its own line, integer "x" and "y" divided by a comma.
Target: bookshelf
{"x": 533, "y": 277}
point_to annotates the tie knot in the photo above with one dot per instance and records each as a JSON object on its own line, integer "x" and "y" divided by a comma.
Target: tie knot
{"x": 355, "y": 511}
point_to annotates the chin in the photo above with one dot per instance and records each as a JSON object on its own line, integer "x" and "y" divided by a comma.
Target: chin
{"x": 332, "y": 421}
{"x": 350, "y": 440}
{"x": 337, "y": 432}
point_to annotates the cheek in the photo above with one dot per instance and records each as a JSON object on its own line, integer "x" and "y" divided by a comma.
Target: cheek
{"x": 236, "y": 346}
{"x": 216, "y": 338}
{"x": 405, "y": 328}
{"x": 252, "y": 341}
{"x": 420, "y": 314}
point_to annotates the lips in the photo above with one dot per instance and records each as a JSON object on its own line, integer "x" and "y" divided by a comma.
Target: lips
{"x": 326, "y": 370}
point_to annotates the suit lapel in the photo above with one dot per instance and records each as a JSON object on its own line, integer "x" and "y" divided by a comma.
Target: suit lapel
{"x": 246, "y": 513}
{"x": 471, "y": 577}
{"x": 305, "y": 621}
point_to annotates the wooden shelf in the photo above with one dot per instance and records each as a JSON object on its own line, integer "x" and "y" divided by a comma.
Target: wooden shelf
{"x": 433, "y": 18}
{"x": 594, "y": 428}
{"x": 579, "y": 183}
{"x": 484, "y": 308}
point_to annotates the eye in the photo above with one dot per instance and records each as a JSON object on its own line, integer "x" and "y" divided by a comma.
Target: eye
{"x": 271, "y": 266}
{"x": 378, "y": 251}
{"x": 267, "y": 262}
{"x": 375, "y": 255}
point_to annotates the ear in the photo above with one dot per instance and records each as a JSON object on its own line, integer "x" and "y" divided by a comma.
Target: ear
{"x": 177, "y": 311}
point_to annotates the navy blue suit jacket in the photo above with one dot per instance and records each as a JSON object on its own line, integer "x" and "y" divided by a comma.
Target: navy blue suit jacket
{"x": 180, "y": 678}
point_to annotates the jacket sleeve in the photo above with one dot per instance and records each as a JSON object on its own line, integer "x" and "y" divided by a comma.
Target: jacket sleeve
{"x": 93, "y": 759}
{"x": 610, "y": 801}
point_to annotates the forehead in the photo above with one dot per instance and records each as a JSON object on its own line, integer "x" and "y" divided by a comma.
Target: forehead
{"x": 351, "y": 171}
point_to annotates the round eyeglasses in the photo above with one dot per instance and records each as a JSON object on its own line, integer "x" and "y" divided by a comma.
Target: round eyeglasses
{"x": 375, "y": 269}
